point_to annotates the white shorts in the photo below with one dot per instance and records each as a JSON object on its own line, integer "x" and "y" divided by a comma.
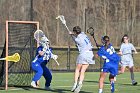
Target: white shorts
{"x": 127, "y": 61}
{"x": 86, "y": 58}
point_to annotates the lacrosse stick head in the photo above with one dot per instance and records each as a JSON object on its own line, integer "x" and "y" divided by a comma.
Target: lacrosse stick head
{"x": 41, "y": 38}
{"x": 90, "y": 31}
{"x": 15, "y": 57}
{"x": 38, "y": 35}
{"x": 62, "y": 19}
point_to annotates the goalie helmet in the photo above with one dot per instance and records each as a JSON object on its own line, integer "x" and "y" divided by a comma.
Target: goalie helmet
{"x": 77, "y": 29}
{"x": 44, "y": 40}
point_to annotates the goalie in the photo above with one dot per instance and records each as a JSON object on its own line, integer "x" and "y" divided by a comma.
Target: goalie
{"x": 43, "y": 55}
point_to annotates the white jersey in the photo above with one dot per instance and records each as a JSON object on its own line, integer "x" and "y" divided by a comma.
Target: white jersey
{"x": 83, "y": 43}
{"x": 126, "y": 58}
{"x": 127, "y": 48}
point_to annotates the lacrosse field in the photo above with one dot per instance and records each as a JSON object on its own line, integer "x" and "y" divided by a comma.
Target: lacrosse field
{"x": 62, "y": 83}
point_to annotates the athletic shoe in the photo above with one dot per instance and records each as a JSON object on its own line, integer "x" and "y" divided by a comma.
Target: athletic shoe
{"x": 74, "y": 87}
{"x": 100, "y": 92}
{"x": 77, "y": 90}
{"x": 48, "y": 88}
{"x": 134, "y": 83}
{"x": 33, "y": 84}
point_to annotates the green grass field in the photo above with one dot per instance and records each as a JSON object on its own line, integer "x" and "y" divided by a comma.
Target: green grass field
{"x": 62, "y": 83}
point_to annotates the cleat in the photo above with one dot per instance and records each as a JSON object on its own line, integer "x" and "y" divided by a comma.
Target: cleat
{"x": 134, "y": 83}
{"x": 33, "y": 84}
{"x": 74, "y": 87}
{"x": 77, "y": 90}
{"x": 48, "y": 88}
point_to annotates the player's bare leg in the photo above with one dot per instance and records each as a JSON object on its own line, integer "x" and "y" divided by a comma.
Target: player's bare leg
{"x": 101, "y": 81}
{"x": 122, "y": 70}
{"x": 76, "y": 76}
{"x": 82, "y": 75}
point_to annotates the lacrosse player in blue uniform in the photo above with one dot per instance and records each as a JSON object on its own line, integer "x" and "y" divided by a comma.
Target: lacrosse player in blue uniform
{"x": 43, "y": 55}
{"x": 84, "y": 59}
{"x": 111, "y": 60}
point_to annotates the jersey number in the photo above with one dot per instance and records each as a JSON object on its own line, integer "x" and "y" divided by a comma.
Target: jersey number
{"x": 87, "y": 40}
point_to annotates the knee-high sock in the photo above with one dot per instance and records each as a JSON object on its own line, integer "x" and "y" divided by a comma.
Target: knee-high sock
{"x": 132, "y": 76}
{"x": 112, "y": 86}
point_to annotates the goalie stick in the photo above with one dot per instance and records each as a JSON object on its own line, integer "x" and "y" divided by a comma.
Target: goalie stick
{"x": 38, "y": 35}
{"x": 13, "y": 58}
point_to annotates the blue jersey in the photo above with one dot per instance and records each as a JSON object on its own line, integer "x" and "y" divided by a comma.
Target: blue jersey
{"x": 111, "y": 59}
{"x": 109, "y": 54}
{"x": 45, "y": 58}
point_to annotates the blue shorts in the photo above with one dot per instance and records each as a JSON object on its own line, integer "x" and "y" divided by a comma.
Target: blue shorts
{"x": 110, "y": 68}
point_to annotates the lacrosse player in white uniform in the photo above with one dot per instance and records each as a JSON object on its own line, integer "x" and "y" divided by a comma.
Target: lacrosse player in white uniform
{"x": 126, "y": 57}
{"x": 84, "y": 58}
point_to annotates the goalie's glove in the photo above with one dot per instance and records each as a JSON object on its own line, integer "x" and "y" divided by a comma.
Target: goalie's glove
{"x": 54, "y": 56}
{"x": 44, "y": 49}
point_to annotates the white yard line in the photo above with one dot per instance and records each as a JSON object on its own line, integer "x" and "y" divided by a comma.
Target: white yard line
{"x": 83, "y": 85}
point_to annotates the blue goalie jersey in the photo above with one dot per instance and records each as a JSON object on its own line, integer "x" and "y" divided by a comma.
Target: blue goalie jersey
{"x": 45, "y": 58}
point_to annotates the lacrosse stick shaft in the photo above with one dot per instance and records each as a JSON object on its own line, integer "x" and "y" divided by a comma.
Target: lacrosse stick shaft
{"x": 56, "y": 62}
{"x": 67, "y": 28}
{"x": 95, "y": 42}
{"x": 2, "y": 58}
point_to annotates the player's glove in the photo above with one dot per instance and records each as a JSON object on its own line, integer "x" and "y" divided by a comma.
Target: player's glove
{"x": 54, "y": 57}
{"x": 104, "y": 57}
{"x": 44, "y": 49}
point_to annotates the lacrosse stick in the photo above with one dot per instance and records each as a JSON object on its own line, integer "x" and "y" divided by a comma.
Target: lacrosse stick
{"x": 14, "y": 58}
{"x": 91, "y": 32}
{"x": 62, "y": 19}
{"x": 38, "y": 35}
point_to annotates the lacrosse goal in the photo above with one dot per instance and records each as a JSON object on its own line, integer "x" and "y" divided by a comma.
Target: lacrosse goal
{"x": 19, "y": 39}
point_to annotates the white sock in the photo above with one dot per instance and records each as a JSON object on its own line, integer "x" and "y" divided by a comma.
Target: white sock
{"x": 75, "y": 84}
{"x": 33, "y": 81}
{"x": 100, "y": 90}
{"x": 80, "y": 82}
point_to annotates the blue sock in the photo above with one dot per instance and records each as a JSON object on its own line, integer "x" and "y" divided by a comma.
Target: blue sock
{"x": 112, "y": 87}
